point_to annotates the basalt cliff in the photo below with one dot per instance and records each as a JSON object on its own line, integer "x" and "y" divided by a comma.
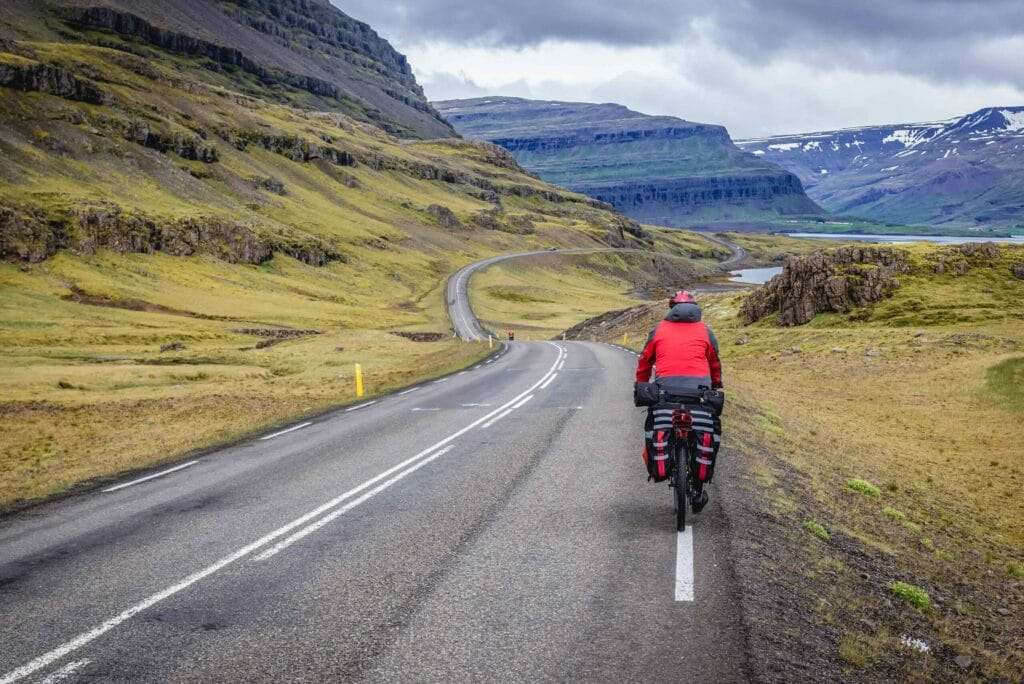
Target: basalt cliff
{"x": 656, "y": 169}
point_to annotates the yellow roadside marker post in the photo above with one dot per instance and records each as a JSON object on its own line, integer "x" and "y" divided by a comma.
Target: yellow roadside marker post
{"x": 625, "y": 339}
{"x": 490, "y": 342}
{"x": 359, "y": 380}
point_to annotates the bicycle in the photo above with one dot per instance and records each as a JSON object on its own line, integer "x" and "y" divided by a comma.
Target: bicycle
{"x": 680, "y": 449}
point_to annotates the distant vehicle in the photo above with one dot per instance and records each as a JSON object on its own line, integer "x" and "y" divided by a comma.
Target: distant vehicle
{"x": 511, "y": 335}
{"x": 552, "y": 249}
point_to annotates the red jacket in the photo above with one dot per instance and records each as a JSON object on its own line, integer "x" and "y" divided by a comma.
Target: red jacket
{"x": 684, "y": 350}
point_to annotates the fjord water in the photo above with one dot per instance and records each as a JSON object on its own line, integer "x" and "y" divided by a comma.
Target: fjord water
{"x": 901, "y": 239}
{"x": 755, "y": 276}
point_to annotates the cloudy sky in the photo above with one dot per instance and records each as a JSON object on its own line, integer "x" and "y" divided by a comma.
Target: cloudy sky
{"x": 759, "y": 67}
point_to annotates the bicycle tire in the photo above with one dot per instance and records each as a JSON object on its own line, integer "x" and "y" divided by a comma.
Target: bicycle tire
{"x": 682, "y": 483}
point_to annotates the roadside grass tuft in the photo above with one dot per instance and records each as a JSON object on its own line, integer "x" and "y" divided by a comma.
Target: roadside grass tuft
{"x": 891, "y": 512}
{"x": 1005, "y": 381}
{"x": 912, "y": 526}
{"x": 817, "y": 529}
{"x": 864, "y": 487}
{"x": 915, "y": 596}
{"x": 853, "y": 650}
{"x": 769, "y": 425}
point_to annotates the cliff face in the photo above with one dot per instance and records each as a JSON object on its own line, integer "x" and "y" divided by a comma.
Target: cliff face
{"x": 656, "y": 169}
{"x": 303, "y": 52}
{"x": 964, "y": 172}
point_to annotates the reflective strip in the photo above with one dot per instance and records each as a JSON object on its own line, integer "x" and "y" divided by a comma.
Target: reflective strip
{"x": 661, "y": 444}
{"x": 660, "y": 458}
{"x": 704, "y": 461}
{"x": 706, "y": 450}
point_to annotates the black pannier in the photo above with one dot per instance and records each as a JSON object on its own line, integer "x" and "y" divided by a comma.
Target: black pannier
{"x": 714, "y": 399}
{"x": 645, "y": 393}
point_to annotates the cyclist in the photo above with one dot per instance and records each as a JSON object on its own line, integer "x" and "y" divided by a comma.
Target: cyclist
{"x": 684, "y": 352}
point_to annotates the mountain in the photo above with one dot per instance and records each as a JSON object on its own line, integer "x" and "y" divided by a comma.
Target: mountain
{"x": 656, "y": 169}
{"x": 966, "y": 172}
{"x": 302, "y": 52}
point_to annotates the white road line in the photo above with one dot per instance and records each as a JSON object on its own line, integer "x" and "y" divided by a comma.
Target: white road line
{"x": 150, "y": 477}
{"x": 561, "y": 365}
{"x": 64, "y": 672}
{"x": 411, "y": 389}
{"x": 418, "y": 408}
{"x": 361, "y": 406}
{"x": 280, "y": 546}
{"x": 488, "y": 361}
{"x": 462, "y": 372}
{"x": 549, "y": 381}
{"x": 684, "y": 564}
{"x": 285, "y": 432}
{"x": 510, "y": 409}
{"x": 476, "y": 366}
{"x": 84, "y": 638}
{"x": 474, "y": 405}
{"x": 438, "y": 382}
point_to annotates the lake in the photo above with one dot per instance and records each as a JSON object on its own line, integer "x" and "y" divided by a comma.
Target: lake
{"x": 899, "y": 239}
{"x": 755, "y": 276}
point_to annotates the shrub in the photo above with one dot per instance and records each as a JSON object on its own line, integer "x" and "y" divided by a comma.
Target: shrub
{"x": 817, "y": 529}
{"x": 864, "y": 487}
{"x": 915, "y": 596}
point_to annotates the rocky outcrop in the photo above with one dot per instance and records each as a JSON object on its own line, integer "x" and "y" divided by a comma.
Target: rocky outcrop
{"x": 825, "y": 281}
{"x": 446, "y": 218}
{"x": 186, "y": 146}
{"x": 30, "y": 236}
{"x": 50, "y": 79}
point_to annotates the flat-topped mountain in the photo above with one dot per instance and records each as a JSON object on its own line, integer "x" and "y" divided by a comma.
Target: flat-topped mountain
{"x": 962, "y": 172}
{"x": 305, "y": 52}
{"x": 656, "y": 169}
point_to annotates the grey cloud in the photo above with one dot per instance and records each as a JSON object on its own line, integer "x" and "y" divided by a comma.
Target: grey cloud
{"x": 936, "y": 39}
{"x": 520, "y": 23}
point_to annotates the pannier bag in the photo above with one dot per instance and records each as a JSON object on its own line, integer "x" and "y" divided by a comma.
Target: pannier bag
{"x": 715, "y": 399}
{"x": 707, "y": 436}
{"x": 645, "y": 393}
{"x": 656, "y": 453}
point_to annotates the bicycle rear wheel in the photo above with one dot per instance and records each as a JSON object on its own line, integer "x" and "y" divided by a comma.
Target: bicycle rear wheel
{"x": 681, "y": 484}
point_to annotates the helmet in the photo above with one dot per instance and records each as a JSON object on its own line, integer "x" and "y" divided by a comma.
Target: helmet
{"x": 680, "y": 297}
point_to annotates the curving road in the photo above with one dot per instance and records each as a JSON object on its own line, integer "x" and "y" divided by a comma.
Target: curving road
{"x": 493, "y": 525}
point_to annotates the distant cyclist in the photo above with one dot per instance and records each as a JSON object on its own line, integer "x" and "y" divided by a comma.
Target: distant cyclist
{"x": 684, "y": 352}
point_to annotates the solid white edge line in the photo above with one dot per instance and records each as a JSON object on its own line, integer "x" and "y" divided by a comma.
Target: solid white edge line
{"x": 411, "y": 389}
{"x": 561, "y": 365}
{"x": 548, "y": 381}
{"x": 98, "y": 631}
{"x": 438, "y": 382}
{"x": 151, "y": 477}
{"x": 65, "y": 672}
{"x": 684, "y": 564}
{"x": 361, "y": 406}
{"x": 285, "y": 432}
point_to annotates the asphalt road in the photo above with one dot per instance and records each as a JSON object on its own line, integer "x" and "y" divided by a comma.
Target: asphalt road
{"x": 495, "y": 525}
{"x": 737, "y": 255}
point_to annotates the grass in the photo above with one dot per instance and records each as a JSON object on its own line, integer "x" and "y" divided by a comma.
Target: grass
{"x": 1005, "y": 382}
{"x": 915, "y": 596}
{"x": 817, "y": 529}
{"x": 863, "y": 487}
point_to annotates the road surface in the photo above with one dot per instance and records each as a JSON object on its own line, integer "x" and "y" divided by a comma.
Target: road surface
{"x": 494, "y": 525}
{"x": 737, "y": 253}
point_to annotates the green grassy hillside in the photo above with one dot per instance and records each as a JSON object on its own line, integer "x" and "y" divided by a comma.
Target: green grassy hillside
{"x": 151, "y": 202}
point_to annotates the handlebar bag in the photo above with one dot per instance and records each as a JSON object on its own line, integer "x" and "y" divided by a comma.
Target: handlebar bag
{"x": 645, "y": 394}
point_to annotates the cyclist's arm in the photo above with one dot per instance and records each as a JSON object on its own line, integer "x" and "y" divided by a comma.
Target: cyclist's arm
{"x": 713, "y": 361}
{"x": 645, "y": 364}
